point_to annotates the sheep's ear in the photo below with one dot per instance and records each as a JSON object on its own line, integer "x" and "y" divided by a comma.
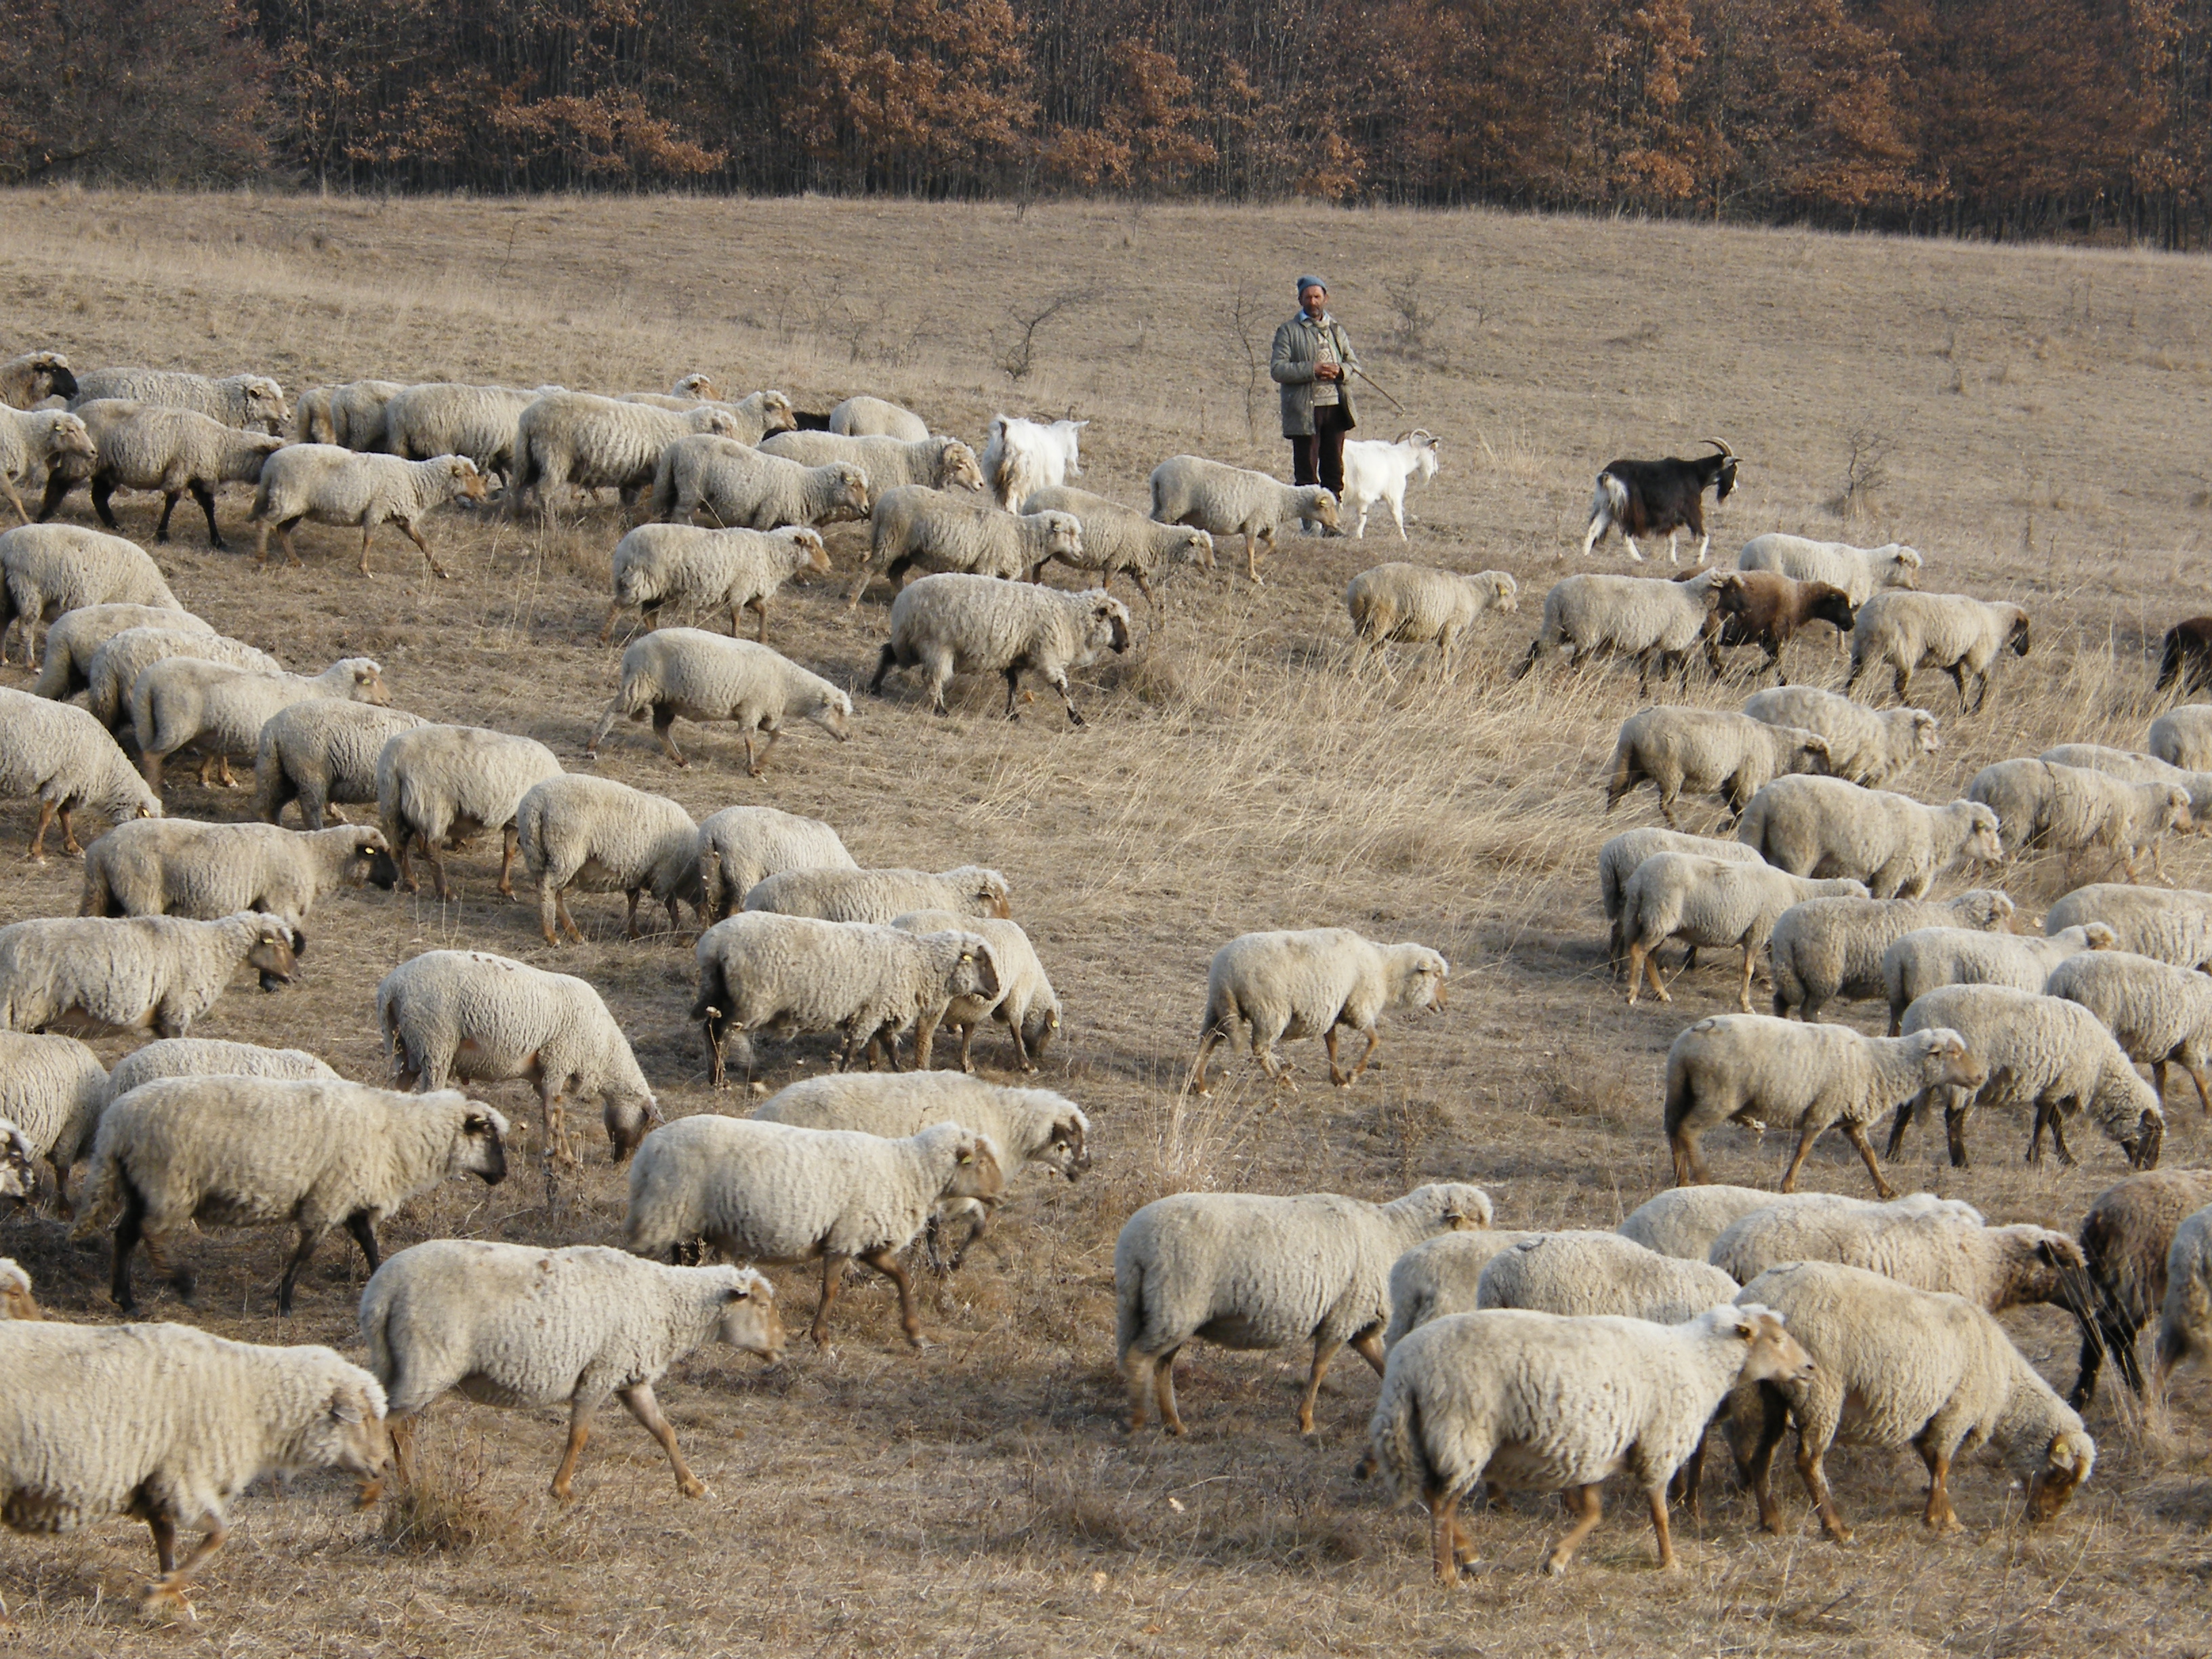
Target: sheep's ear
{"x": 738, "y": 1294}
{"x": 344, "y": 1408}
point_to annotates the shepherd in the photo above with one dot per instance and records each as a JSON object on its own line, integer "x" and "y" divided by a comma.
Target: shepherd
{"x": 1311, "y": 360}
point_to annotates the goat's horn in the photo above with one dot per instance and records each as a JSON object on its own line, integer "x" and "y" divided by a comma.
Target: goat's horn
{"x": 1724, "y": 448}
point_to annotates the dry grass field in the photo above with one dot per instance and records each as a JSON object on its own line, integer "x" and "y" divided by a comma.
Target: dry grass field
{"x": 2040, "y": 419}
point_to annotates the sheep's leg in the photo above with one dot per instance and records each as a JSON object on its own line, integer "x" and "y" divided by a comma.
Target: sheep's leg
{"x": 1207, "y": 1044}
{"x": 1374, "y": 1042}
{"x": 437, "y": 861}
{"x": 1251, "y": 557}
{"x": 569, "y": 922}
{"x": 967, "y": 1040}
{"x": 172, "y": 1587}
{"x": 754, "y": 766}
{"x": 1584, "y": 1503}
{"x": 833, "y": 1274}
{"x": 1940, "y": 1516}
{"x": 663, "y": 718}
{"x": 646, "y": 1409}
{"x": 1163, "y": 1394}
{"x": 1900, "y": 1121}
{"x": 510, "y": 843}
{"x": 402, "y": 1430}
{"x": 579, "y": 1430}
{"x": 1759, "y": 1472}
{"x": 1661, "y": 1532}
{"x": 1811, "y": 1470}
{"x": 1446, "y": 1542}
{"x": 1325, "y": 1349}
{"x": 129, "y": 1230}
{"x": 36, "y": 853}
{"x": 284, "y": 534}
{"x": 302, "y": 1254}
{"x": 1059, "y": 685}
{"x": 1743, "y": 990}
{"x": 414, "y": 536}
{"x": 1954, "y": 1133}
{"x": 363, "y": 1227}
{"x": 1856, "y": 1133}
{"x": 759, "y": 608}
{"x": 1335, "y": 1070}
{"x": 1013, "y": 686}
{"x": 883, "y": 1261}
{"x": 1809, "y": 1132}
{"x": 547, "y": 915}
{"x": 1689, "y": 1167}
{"x": 607, "y": 628}
{"x": 2204, "y": 1094}
{"x": 1368, "y": 1345}
{"x": 1137, "y": 1381}
{"x": 205, "y": 497}
{"x": 15, "y": 501}
{"x": 103, "y": 493}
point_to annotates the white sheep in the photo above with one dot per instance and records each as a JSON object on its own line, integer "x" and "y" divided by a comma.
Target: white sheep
{"x": 868, "y": 417}
{"x": 2135, "y": 768}
{"x": 320, "y": 753}
{"x": 1859, "y": 571}
{"x": 1234, "y": 501}
{"x": 1400, "y": 603}
{"x": 77, "y": 636}
{"x": 2159, "y": 1014}
{"x": 1538, "y": 1402}
{"x": 439, "y": 787}
{"x": 59, "y": 753}
{"x": 1442, "y": 1275}
{"x": 244, "y": 401}
{"x": 600, "y": 837}
{"x": 1827, "y": 948}
{"x": 350, "y": 416}
{"x": 704, "y": 676}
{"x": 447, "y": 417}
{"x": 52, "y": 1089}
{"x": 16, "y": 1300}
{"x": 741, "y": 847}
{"x": 183, "y": 867}
{"x": 1026, "y": 1004}
{"x": 773, "y": 1192}
{"x": 334, "y": 485}
{"x": 2173, "y": 927}
{"x": 1918, "y": 962}
{"x": 28, "y": 379}
{"x": 1119, "y": 540}
{"x": 168, "y": 1423}
{"x": 1708, "y": 752}
{"x": 1895, "y": 1366}
{"x": 116, "y": 666}
{"x": 914, "y": 524}
{"x": 741, "y": 486}
{"x": 1708, "y": 902}
{"x": 796, "y": 974}
{"x": 38, "y": 444}
{"x": 475, "y": 1017}
{"x": 526, "y": 1327}
{"x": 939, "y": 462}
{"x": 1756, "y": 1069}
{"x": 2043, "y": 1053}
{"x": 2184, "y": 1324}
{"x": 1296, "y": 984}
{"x": 954, "y": 623}
{"x": 2127, "y": 1240}
{"x": 1377, "y": 471}
{"x": 1251, "y": 1271}
{"x": 1868, "y": 746}
{"x": 1896, "y": 845}
{"x": 1022, "y": 456}
{"x": 658, "y": 564}
{"x": 754, "y": 418}
{"x": 18, "y": 1174}
{"x": 847, "y": 893}
{"x": 220, "y": 709}
{"x": 2070, "y": 809}
{"x": 683, "y": 391}
{"x": 260, "y": 1150}
{"x": 1618, "y": 859}
{"x": 48, "y": 568}
{"x": 1657, "y": 623}
{"x": 576, "y": 440}
{"x": 2183, "y": 736}
{"x": 1581, "y": 1273}
{"x": 1963, "y": 636}
{"x": 207, "y": 1057}
{"x": 1684, "y": 1221}
{"x": 169, "y": 451}
{"x": 99, "y": 977}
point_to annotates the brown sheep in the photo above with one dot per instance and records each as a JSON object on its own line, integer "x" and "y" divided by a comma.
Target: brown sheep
{"x": 2187, "y": 657}
{"x": 2124, "y": 1240}
{"x": 1758, "y": 607}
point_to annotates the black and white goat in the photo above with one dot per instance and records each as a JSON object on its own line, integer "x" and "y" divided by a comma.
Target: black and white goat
{"x": 1659, "y": 498}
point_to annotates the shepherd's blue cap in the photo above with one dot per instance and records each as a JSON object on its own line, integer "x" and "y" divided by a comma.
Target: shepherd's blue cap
{"x": 1305, "y": 282}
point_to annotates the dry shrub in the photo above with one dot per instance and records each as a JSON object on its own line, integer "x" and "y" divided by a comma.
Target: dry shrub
{"x": 446, "y": 1510}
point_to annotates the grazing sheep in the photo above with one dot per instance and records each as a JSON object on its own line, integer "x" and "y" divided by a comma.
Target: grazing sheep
{"x": 1828, "y": 948}
{"x": 1758, "y": 607}
{"x": 1708, "y": 902}
{"x": 253, "y": 1151}
{"x": 1233, "y": 500}
{"x": 1120, "y": 541}
{"x": 914, "y": 523}
{"x": 1920, "y": 961}
{"x": 2042, "y": 1052}
{"x": 332, "y": 485}
{"x": 116, "y": 666}
{"x": 2134, "y": 769}
{"x": 1756, "y": 1069}
{"x": 52, "y": 1089}
{"x": 206, "y": 1057}
{"x": 741, "y": 486}
{"x": 182, "y": 867}
{"x": 871, "y": 418}
{"x": 600, "y": 837}
{"x": 75, "y": 638}
{"x": 1961, "y": 636}
{"x": 1657, "y": 623}
{"x": 941, "y": 462}
{"x": 955, "y": 624}
{"x": 28, "y": 380}
{"x": 2068, "y": 808}
{"x": 1439, "y": 1276}
{"x": 172, "y": 451}
{"x": 1542, "y": 1402}
{"x": 1617, "y": 861}
{"x": 1866, "y": 746}
{"x": 470, "y": 1016}
{"x": 2125, "y": 1239}
{"x": 1296, "y": 984}
{"x": 658, "y": 564}
{"x": 1377, "y": 471}
{"x": 46, "y": 570}
{"x": 1026, "y": 1004}
{"x": 773, "y": 1192}
{"x": 168, "y": 1423}
{"x": 36, "y": 445}
{"x": 1896, "y": 845}
{"x": 1578, "y": 1272}
{"x": 2174, "y": 926}
{"x": 847, "y": 893}
{"x": 704, "y": 676}
{"x": 445, "y": 417}
{"x": 2183, "y": 736}
{"x": 1250, "y": 1271}
{"x": 519, "y": 1326}
{"x": 2185, "y": 1323}
{"x": 1412, "y": 605}
{"x": 1684, "y": 1221}
{"x": 1895, "y": 1366}
{"x": 319, "y": 753}
{"x": 244, "y": 401}
{"x": 1024, "y": 456}
{"x": 182, "y": 701}
{"x": 95, "y": 976}
{"x": 2158, "y": 1013}
{"x": 796, "y": 974}
{"x": 741, "y": 847}
{"x": 1708, "y": 752}
{"x": 18, "y": 1176}
{"x": 576, "y": 440}
{"x": 439, "y": 787}
{"x": 1859, "y": 571}
{"x": 16, "y": 1300}
{"x": 60, "y": 754}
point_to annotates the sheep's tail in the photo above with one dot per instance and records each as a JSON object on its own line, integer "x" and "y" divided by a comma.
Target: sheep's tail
{"x": 1609, "y": 500}
{"x": 1398, "y": 1448}
{"x": 1624, "y": 771}
{"x": 99, "y": 899}
{"x": 664, "y": 486}
{"x": 103, "y": 1194}
{"x": 376, "y": 1333}
{"x": 1129, "y": 1311}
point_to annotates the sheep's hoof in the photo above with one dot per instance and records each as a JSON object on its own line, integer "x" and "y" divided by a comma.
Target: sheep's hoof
{"x": 692, "y": 1488}
{"x": 164, "y": 1594}
{"x": 917, "y": 1341}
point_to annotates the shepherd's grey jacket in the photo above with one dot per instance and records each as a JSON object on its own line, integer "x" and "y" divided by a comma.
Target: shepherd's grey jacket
{"x": 1292, "y": 366}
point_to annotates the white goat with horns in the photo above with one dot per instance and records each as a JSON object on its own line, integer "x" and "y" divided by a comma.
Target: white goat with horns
{"x": 1377, "y": 471}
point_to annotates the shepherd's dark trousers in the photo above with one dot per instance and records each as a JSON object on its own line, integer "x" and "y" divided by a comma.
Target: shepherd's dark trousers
{"x": 1319, "y": 459}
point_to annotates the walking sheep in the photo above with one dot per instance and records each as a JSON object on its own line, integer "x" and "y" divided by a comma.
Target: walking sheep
{"x": 2175, "y": 927}
{"x": 1297, "y": 984}
{"x": 1025, "y": 1005}
{"x": 52, "y": 1091}
{"x": 597, "y": 836}
{"x": 575, "y": 439}
{"x": 1708, "y": 752}
{"x": 741, "y": 486}
{"x": 2125, "y": 1239}
{"x": 833, "y": 893}
{"x": 955, "y": 623}
{"x": 2134, "y": 769}
{"x": 439, "y": 787}
{"x": 248, "y": 1151}
{"x": 740, "y": 846}
{"x": 2070, "y": 809}
{"x": 1896, "y": 845}
{"x": 320, "y": 753}
{"x": 1859, "y": 571}
{"x": 60, "y": 754}
{"x": 1254, "y": 1272}
{"x": 1684, "y": 1221}
{"x": 1866, "y": 746}
{"x": 332, "y": 485}
{"x": 1120, "y": 541}
{"x": 182, "y": 867}
{"x": 1233, "y": 500}
{"x": 445, "y": 417}
{"x": 940, "y": 463}
{"x": 866, "y": 418}
{"x": 169, "y": 451}
{"x": 2159, "y": 1014}
{"x": 206, "y": 1057}
{"x": 704, "y": 676}
{"x": 1949, "y": 631}
{"x": 1439, "y": 1276}
{"x": 167, "y": 1423}
{"x": 475, "y": 1017}
{"x": 1580, "y": 1273}
{"x": 1412, "y": 605}
{"x": 96, "y": 977}
{"x": 1619, "y": 858}
{"x": 1708, "y": 902}
{"x": 914, "y": 524}
{"x": 1828, "y": 948}
{"x": 27, "y": 380}
{"x": 37, "y": 444}
{"x": 47, "y": 569}
{"x": 1756, "y": 607}
{"x": 2185, "y": 1323}
{"x": 116, "y": 667}
{"x": 1657, "y": 623}
{"x": 75, "y": 638}
{"x": 519, "y": 1326}
{"x": 1927, "y": 957}
{"x": 772, "y": 1193}
{"x": 658, "y": 564}
{"x": 244, "y": 401}
{"x": 2183, "y": 736}
{"x": 220, "y": 710}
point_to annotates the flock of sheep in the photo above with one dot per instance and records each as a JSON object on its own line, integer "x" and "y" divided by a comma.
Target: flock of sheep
{"x": 1541, "y": 1361}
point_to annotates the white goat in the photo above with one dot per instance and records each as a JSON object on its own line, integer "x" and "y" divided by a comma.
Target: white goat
{"x": 1025, "y": 456}
{"x": 1377, "y": 471}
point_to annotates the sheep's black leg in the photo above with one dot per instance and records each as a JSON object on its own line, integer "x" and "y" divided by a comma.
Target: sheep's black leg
{"x": 103, "y": 491}
{"x": 205, "y": 497}
{"x": 1014, "y": 685}
{"x": 363, "y": 1229}
{"x": 128, "y": 1231}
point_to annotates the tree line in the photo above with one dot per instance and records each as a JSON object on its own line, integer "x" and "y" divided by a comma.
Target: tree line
{"x": 1987, "y": 118}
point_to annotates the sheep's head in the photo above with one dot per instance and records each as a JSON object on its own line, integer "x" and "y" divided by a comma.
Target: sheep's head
{"x": 1106, "y": 622}
{"x": 350, "y": 1433}
{"x": 1924, "y": 730}
{"x": 1423, "y": 973}
{"x": 1902, "y": 566}
{"x": 49, "y": 375}
{"x": 275, "y": 951}
{"x": 1319, "y": 507}
{"x": 719, "y": 421}
{"x": 977, "y": 1171}
{"x": 1983, "y": 908}
{"x": 987, "y": 895}
{"x": 479, "y": 1146}
{"x": 69, "y": 447}
{"x": 1808, "y": 752}
{"x": 2143, "y": 1145}
{"x": 1983, "y": 840}
{"x": 1063, "y": 535}
{"x": 1830, "y": 604}
{"x": 16, "y": 1300}
{"x": 832, "y": 710}
{"x": 695, "y": 386}
{"x": 1946, "y": 1062}
{"x": 18, "y": 1176}
{"x": 810, "y": 542}
{"x": 1775, "y": 1356}
{"x": 749, "y": 1321}
{"x": 2017, "y": 633}
{"x": 463, "y": 481}
{"x": 1504, "y": 592}
{"x": 957, "y": 466}
{"x": 2177, "y": 815}
{"x": 1446, "y": 1206}
{"x": 850, "y": 500}
{"x": 1196, "y": 548}
{"x": 264, "y": 403}
{"x": 370, "y": 858}
{"x": 975, "y": 969}
{"x": 776, "y": 414}
{"x": 2066, "y": 1462}
{"x": 368, "y": 680}
{"x": 1066, "y": 1150}
{"x": 629, "y": 1119}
